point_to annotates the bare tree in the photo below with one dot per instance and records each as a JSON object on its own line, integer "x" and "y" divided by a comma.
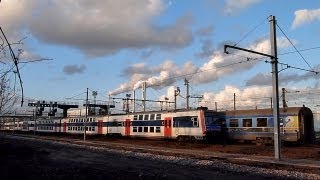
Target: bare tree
{"x": 10, "y": 54}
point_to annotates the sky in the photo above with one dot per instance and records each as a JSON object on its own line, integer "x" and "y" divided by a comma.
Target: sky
{"x": 112, "y": 47}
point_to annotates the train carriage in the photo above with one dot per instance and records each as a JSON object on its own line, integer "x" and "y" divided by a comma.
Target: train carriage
{"x": 179, "y": 124}
{"x": 48, "y": 125}
{"x": 28, "y": 126}
{"x": 296, "y": 125}
{"x": 76, "y": 125}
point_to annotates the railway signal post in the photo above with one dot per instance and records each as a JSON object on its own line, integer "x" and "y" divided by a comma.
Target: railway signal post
{"x": 86, "y": 117}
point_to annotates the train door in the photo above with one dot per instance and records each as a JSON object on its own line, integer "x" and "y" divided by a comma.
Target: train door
{"x": 100, "y": 126}
{"x": 55, "y": 127}
{"x": 127, "y": 127}
{"x": 306, "y": 125}
{"x": 167, "y": 127}
{"x": 64, "y": 127}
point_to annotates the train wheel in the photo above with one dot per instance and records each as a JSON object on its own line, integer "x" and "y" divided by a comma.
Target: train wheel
{"x": 192, "y": 139}
{"x": 260, "y": 142}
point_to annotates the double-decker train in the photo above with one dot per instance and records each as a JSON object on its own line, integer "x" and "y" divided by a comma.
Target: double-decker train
{"x": 296, "y": 125}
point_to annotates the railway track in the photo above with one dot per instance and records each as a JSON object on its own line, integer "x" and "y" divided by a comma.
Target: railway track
{"x": 311, "y": 152}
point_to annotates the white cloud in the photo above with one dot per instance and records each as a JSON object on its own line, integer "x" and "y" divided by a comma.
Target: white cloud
{"x": 248, "y": 97}
{"x": 157, "y": 77}
{"x": 95, "y": 27}
{"x": 221, "y": 64}
{"x": 169, "y": 94}
{"x": 305, "y": 16}
{"x": 128, "y": 86}
{"x": 166, "y": 74}
{"x": 233, "y": 6}
{"x": 15, "y": 15}
{"x": 284, "y": 79}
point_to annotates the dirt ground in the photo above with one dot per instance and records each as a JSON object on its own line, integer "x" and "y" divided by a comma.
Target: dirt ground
{"x": 287, "y": 151}
{"x": 29, "y": 159}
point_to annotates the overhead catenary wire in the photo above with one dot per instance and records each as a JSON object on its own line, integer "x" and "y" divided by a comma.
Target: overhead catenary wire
{"x": 76, "y": 95}
{"x": 301, "y": 50}
{"x": 248, "y": 33}
{"x": 294, "y": 46}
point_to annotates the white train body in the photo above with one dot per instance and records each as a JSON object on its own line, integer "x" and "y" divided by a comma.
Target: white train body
{"x": 178, "y": 124}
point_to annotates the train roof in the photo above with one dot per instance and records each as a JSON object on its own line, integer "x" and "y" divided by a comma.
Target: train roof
{"x": 164, "y": 111}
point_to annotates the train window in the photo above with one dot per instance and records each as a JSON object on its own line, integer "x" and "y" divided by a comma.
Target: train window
{"x": 140, "y": 129}
{"x": 145, "y": 129}
{"x": 146, "y": 117}
{"x": 152, "y": 116}
{"x": 134, "y": 129}
{"x": 195, "y": 122}
{"x": 151, "y": 129}
{"x": 93, "y": 128}
{"x": 234, "y": 123}
{"x": 135, "y": 117}
{"x": 158, "y": 116}
{"x": 158, "y": 129}
{"x": 140, "y": 117}
{"x": 247, "y": 122}
{"x": 261, "y": 122}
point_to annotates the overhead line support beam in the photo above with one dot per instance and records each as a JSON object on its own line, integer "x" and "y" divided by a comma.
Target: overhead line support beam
{"x": 275, "y": 83}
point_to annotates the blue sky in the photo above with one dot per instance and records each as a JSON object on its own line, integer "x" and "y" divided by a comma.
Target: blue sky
{"x": 113, "y": 46}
